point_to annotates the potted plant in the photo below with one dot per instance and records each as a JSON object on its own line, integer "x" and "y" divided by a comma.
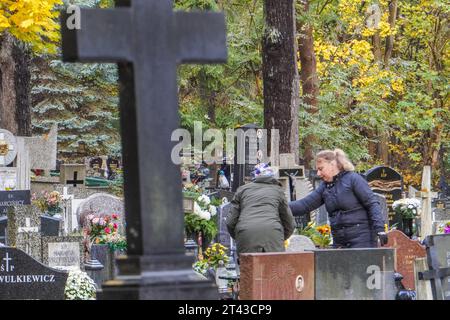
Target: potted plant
{"x": 79, "y": 286}
{"x": 50, "y": 205}
{"x": 104, "y": 241}
{"x": 408, "y": 209}
{"x": 200, "y": 225}
{"x": 320, "y": 235}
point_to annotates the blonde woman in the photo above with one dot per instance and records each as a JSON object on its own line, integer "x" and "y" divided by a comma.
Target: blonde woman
{"x": 355, "y": 213}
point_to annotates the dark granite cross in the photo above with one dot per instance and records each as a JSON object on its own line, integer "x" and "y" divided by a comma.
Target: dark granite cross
{"x": 74, "y": 181}
{"x": 148, "y": 39}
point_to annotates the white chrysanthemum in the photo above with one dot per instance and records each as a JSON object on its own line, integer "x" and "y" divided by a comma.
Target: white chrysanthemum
{"x": 197, "y": 208}
{"x": 205, "y": 215}
{"x": 204, "y": 199}
{"x": 212, "y": 210}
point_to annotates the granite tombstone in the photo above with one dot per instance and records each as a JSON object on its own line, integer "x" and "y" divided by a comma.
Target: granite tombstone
{"x": 438, "y": 258}
{"x": 22, "y": 277}
{"x": 388, "y": 182}
{"x": 149, "y": 39}
{"x": 355, "y": 274}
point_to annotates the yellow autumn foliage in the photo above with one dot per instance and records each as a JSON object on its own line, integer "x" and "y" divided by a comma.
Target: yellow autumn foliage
{"x": 32, "y": 21}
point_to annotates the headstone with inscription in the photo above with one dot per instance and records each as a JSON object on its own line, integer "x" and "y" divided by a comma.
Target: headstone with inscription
{"x": 388, "y": 182}
{"x": 406, "y": 251}
{"x": 277, "y": 276}
{"x": 64, "y": 253}
{"x": 22, "y": 277}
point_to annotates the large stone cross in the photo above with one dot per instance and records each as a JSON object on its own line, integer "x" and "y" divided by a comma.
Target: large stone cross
{"x": 148, "y": 39}
{"x": 427, "y": 196}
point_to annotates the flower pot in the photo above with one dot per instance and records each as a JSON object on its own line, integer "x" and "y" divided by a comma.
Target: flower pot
{"x": 105, "y": 256}
{"x": 407, "y": 226}
{"x": 50, "y": 226}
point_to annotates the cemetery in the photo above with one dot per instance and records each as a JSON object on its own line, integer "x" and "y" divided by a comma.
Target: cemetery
{"x": 133, "y": 127}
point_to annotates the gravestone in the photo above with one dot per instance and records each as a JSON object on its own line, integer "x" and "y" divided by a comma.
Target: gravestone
{"x": 149, "y": 39}
{"x": 43, "y": 149}
{"x": 24, "y": 233}
{"x": 388, "y": 182}
{"x": 72, "y": 174}
{"x": 406, "y": 251}
{"x": 355, "y": 274}
{"x": 223, "y": 235}
{"x": 3, "y": 228}
{"x": 438, "y": 258}
{"x": 22, "y": 277}
{"x": 298, "y": 243}
{"x": 246, "y": 148}
{"x": 101, "y": 204}
{"x": 112, "y": 165}
{"x": 63, "y": 253}
{"x": 95, "y": 165}
{"x": 277, "y": 276}
{"x": 384, "y": 207}
{"x": 440, "y": 212}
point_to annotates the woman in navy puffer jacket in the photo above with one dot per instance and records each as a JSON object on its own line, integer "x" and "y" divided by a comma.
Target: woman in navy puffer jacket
{"x": 354, "y": 212}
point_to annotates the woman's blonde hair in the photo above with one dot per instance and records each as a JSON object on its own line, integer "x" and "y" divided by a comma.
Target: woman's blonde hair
{"x": 337, "y": 154}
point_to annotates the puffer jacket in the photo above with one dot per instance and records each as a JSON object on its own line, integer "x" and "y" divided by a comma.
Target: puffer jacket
{"x": 260, "y": 219}
{"x": 354, "y": 211}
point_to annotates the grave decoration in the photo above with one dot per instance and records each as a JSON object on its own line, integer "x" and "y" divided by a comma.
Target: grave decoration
{"x": 50, "y": 205}
{"x": 408, "y": 209}
{"x": 201, "y": 224}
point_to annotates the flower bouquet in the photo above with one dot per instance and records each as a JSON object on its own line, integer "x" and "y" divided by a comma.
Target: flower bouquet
{"x": 444, "y": 227}
{"x": 48, "y": 203}
{"x": 200, "y": 221}
{"x": 104, "y": 230}
{"x": 408, "y": 208}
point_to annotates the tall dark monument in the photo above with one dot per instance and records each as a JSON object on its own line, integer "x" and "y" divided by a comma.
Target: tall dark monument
{"x": 148, "y": 39}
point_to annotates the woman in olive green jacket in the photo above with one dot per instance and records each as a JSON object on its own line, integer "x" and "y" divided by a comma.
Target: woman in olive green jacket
{"x": 260, "y": 219}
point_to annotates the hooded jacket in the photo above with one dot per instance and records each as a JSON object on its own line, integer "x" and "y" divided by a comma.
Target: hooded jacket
{"x": 260, "y": 219}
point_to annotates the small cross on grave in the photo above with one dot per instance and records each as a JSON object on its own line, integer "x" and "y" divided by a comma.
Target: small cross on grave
{"x": 74, "y": 181}
{"x": 148, "y": 39}
{"x": 7, "y": 259}
{"x": 27, "y": 230}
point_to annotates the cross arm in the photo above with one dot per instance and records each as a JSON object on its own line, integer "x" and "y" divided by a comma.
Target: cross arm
{"x": 201, "y": 37}
{"x": 104, "y": 36}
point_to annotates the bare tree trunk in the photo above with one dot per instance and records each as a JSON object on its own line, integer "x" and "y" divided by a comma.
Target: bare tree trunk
{"x": 280, "y": 74}
{"x": 15, "y": 88}
{"x": 390, "y": 39}
{"x": 207, "y": 96}
{"x": 309, "y": 79}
